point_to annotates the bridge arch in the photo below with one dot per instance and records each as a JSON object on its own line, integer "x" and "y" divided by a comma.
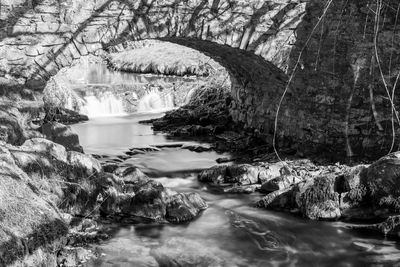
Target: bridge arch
{"x": 257, "y": 41}
{"x": 50, "y": 35}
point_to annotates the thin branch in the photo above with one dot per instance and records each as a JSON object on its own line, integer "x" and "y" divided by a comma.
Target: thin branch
{"x": 328, "y": 4}
{"x": 377, "y": 22}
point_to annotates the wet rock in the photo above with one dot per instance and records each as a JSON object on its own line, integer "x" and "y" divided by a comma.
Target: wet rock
{"x": 84, "y": 164}
{"x": 73, "y": 256}
{"x": 197, "y": 148}
{"x": 223, "y": 160}
{"x": 230, "y": 141}
{"x": 146, "y": 191}
{"x": 272, "y": 171}
{"x": 63, "y": 115}
{"x": 352, "y": 177}
{"x": 97, "y": 156}
{"x": 130, "y": 174}
{"x": 44, "y": 146}
{"x": 122, "y": 157}
{"x": 319, "y": 200}
{"x": 145, "y": 149}
{"x": 86, "y": 231}
{"x": 193, "y": 130}
{"x": 61, "y": 134}
{"x": 154, "y": 202}
{"x": 170, "y": 145}
{"x": 109, "y": 167}
{"x": 242, "y": 189}
{"x": 143, "y": 200}
{"x": 281, "y": 200}
{"x": 243, "y": 174}
{"x": 213, "y": 175}
{"x": 353, "y": 208}
{"x": 43, "y": 173}
{"x": 67, "y": 218}
{"x": 134, "y": 152}
{"x": 353, "y": 194}
{"x": 206, "y": 114}
{"x": 314, "y": 198}
{"x": 183, "y": 207}
{"x": 131, "y": 194}
{"x": 382, "y": 180}
{"x": 228, "y": 136}
{"x": 279, "y": 183}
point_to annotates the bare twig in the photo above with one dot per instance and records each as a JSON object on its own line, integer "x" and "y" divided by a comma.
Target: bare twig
{"x": 376, "y": 32}
{"x": 329, "y": 2}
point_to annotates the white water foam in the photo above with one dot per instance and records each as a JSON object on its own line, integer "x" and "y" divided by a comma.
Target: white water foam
{"x": 107, "y": 104}
{"x": 153, "y": 101}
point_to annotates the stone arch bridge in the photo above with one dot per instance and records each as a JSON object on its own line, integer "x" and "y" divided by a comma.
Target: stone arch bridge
{"x": 258, "y": 42}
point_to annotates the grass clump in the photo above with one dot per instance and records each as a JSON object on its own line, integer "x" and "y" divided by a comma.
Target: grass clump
{"x": 163, "y": 58}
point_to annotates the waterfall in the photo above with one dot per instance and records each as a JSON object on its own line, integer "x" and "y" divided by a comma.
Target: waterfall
{"x": 153, "y": 101}
{"x": 107, "y": 104}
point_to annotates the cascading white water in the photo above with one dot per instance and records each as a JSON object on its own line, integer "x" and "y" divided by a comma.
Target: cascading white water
{"x": 107, "y": 104}
{"x": 153, "y": 101}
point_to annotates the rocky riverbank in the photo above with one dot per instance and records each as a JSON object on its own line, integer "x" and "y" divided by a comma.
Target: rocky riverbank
{"x": 53, "y": 197}
{"x": 359, "y": 194}
{"x": 161, "y": 58}
{"x": 315, "y": 189}
{"x": 206, "y": 116}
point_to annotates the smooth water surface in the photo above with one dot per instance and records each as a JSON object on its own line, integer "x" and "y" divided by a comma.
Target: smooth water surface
{"x": 230, "y": 232}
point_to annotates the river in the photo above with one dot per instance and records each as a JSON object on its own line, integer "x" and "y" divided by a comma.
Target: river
{"x": 230, "y": 232}
{"x": 230, "y": 229}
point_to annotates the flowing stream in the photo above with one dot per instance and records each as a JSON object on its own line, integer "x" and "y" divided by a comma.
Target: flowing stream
{"x": 230, "y": 229}
{"x": 230, "y": 232}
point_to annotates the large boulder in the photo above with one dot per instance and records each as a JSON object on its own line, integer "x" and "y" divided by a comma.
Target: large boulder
{"x": 354, "y": 202}
{"x": 318, "y": 198}
{"x": 67, "y": 179}
{"x": 279, "y": 183}
{"x": 44, "y": 147}
{"x": 272, "y": 171}
{"x": 242, "y": 174}
{"x": 134, "y": 195}
{"x": 16, "y": 120}
{"x": 61, "y": 134}
{"x": 382, "y": 181}
{"x": 84, "y": 164}
{"x": 280, "y": 200}
{"x": 30, "y": 224}
{"x": 315, "y": 198}
{"x": 352, "y": 193}
{"x": 130, "y": 174}
{"x": 183, "y": 207}
{"x": 215, "y": 174}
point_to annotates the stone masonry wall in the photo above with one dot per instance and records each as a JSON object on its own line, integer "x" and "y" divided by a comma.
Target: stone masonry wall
{"x": 338, "y": 84}
{"x": 336, "y": 101}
